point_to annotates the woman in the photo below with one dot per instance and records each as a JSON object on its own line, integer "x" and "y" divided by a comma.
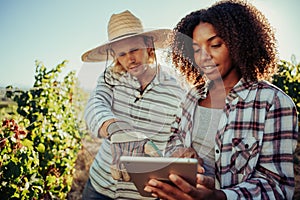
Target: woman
{"x": 243, "y": 127}
{"x": 131, "y": 108}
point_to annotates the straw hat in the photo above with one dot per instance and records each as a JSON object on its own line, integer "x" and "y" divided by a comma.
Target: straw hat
{"x": 122, "y": 26}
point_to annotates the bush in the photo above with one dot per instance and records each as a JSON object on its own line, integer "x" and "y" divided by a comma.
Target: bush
{"x": 288, "y": 79}
{"x": 38, "y": 152}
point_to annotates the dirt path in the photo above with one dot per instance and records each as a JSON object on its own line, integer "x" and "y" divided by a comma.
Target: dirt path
{"x": 84, "y": 160}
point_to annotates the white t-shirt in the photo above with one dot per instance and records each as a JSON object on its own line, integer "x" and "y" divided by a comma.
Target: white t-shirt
{"x": 204, "y": 131}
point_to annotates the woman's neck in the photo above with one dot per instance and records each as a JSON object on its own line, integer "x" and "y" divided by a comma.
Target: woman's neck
{"x": 218, "y": 92}
{"x": 228, "y": 82}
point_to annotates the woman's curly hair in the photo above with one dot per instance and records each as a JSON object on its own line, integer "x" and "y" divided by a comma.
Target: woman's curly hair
{"x": 245, "y": 31}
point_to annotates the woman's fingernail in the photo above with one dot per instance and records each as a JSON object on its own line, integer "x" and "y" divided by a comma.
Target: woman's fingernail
{"x": 172, "y": 177}
{"x": 152, "y": 182}
{"x": 147, "y": 189}
{"x": 154, "y": 195}
{"x": 200, "y": 178}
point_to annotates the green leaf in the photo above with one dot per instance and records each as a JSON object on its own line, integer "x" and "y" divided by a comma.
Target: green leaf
{"x": 26, "y": 142}
{"x": 41, "y": 148}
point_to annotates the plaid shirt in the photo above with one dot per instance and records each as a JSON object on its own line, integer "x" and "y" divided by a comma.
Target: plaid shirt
{"x": 255, "y": 141}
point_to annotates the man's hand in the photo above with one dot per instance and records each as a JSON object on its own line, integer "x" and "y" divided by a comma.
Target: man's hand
{"x": 125, "y": 141}
{"x": 102, "y": 132}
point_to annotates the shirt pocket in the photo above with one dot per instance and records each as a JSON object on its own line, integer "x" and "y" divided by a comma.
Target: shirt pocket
{"x": 244, "y": 155}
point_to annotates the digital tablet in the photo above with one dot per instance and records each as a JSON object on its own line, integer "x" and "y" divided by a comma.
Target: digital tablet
{"x": 142, "y": 169}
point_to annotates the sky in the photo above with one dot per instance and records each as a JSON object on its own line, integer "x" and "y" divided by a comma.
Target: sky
{"x": 52, "y": 31}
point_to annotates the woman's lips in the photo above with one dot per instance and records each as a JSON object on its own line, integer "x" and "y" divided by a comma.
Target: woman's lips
{"x": 208, "y": 66}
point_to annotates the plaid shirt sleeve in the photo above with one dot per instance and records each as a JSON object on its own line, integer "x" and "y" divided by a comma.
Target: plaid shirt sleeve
{"x": 268, "y": 172}
{"x": 182, "y": 125}
{"x": 176, "y": 139}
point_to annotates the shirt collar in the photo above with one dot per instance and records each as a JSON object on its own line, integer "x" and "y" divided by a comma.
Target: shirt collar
{"x": 124, "y": 78}
{"x": 241, "y": 89}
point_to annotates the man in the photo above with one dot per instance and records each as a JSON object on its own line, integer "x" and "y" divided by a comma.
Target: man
{"x": 132, "y": 107}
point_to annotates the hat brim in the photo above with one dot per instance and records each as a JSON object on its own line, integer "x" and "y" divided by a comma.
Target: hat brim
{"x": 99, "y": 53}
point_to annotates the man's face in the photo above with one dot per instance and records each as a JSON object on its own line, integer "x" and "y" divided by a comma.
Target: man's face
{"x": 132, "y": 54}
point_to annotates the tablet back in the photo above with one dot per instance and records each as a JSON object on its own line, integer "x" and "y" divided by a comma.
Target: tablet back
{"x": 141, "y": 169}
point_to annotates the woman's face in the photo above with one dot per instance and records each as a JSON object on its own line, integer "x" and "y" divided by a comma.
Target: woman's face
{"x": 132, "y": 54}
{"x": 210, "y": 52}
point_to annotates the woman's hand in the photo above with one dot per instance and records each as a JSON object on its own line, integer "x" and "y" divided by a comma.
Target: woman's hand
{"x": 184, "y": 190}
{"x": 205, "y": 181}
{"x": 189, "y": 153}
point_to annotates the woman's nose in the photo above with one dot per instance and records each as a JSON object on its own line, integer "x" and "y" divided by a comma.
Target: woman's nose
{"x": 205, "y": 55}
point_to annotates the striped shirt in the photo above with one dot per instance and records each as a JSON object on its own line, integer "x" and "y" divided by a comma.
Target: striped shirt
{"x": 150, "y": 112}
{"x": 255, "y": 141}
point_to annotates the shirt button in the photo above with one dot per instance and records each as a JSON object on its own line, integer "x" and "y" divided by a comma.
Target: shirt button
{"x": 217, "y": 151}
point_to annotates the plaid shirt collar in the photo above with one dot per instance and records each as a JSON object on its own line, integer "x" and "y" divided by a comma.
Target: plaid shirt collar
{"x": 241, "y": 89}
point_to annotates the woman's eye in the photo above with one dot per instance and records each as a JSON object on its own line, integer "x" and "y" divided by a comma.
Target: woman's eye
{"x": 216, "y": 45}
